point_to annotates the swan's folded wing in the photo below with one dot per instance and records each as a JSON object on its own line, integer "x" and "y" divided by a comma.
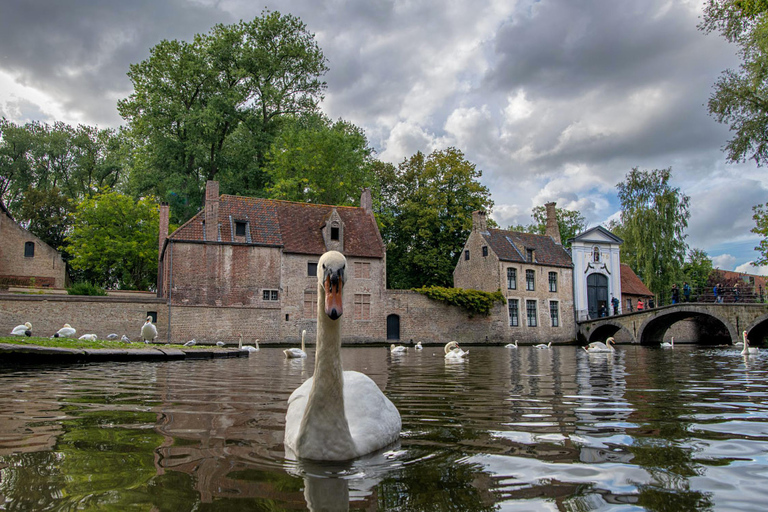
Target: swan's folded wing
{"x": 373, "y": 419}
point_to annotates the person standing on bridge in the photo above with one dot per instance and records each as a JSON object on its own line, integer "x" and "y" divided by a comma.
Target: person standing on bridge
{"x": 718, "y": 291}
{"x": 686, "y": 291}
{"x": 640, "y": 304}
{"x": 736, "y": 294}
{"x": 675, "y": 293}
{"x": 615, "y": 304}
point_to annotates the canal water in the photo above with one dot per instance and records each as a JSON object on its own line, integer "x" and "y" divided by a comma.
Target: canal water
{"x": 508, "y": 430}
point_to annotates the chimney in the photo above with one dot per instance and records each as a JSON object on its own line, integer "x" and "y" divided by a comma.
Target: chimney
{"x": 553, "y": 230}
{"x": 479, "y": 222}
{"x": 211, "y": 211}
{"x": 162, "y": 231}
{"x": 366, "y": 203}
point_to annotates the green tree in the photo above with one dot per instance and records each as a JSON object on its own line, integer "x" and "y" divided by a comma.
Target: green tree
{"x": 654, "y": 217}
{"x": 213, "y": 106}
{"x": 47, "y": 216}
{"x": 569, "y": 222}
{"x": 316, "y": 160}
{"x": 114, "y": 241}
{"x": 697, "y": 269}
{"x": 760, "y": 216}
{"x": 427, "y": 204}
{"x": 740, "y": 97}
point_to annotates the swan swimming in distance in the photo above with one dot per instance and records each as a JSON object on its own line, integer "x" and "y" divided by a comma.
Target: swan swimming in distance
{"x": 511, "y": 345}
{"x": 22, "y": 330}
{"x": 336, "y": 415}
{"x": 65, "y": 332}
{"x": 747, "y": 349}
{"x": 292, "y": 353}
{"x": 543, "y": 346}
{"x": 148, "y": 331}
{"x": 418, "y": 346}
{"x": 398, "y": 349}
{"x": 669, "y": 344}
{"x": 599, "y": 347}
{"x": 453, "y": 351}
{"x": 248, "y": 348}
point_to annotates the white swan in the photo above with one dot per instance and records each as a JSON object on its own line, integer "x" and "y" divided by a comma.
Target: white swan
{"x": 598, "y": 346}
{"x": 148, "y": 331}
{"x": 22, "y": 330}
{"x": 112, "y": 336}
{"x": 398, "y": 349}
{"x": 453, "y": 351}
{"x": 125, "y": 339}
{"x": 336, "y": 415}
{"x": 511, "y": 345}
{"x": 543, "y": 346}
{"x": 747, "y": 349}
{"x": 248, "y": 348}
{"x": 292, "y": 353}
{"x": 220, "y": 343}
{"x": 88, "y": 337}
{"x": 418, "y": 346}
{"x": 65, "y": 332}
{"x": 669, "y": 344}
{"x": 191, "y": 343}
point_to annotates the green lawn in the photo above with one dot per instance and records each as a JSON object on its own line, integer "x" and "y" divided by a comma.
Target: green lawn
{"x": 80, "y": 344}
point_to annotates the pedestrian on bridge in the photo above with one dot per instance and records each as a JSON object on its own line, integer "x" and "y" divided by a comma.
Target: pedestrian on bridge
{"x": 686, "y": 291}
{"x": 640, "y": 304}
{"x": 615, "y": 304}
{"x": 675, "y": 293}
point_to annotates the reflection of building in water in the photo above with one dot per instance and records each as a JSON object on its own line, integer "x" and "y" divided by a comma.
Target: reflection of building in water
{"x": 28, "y": 425}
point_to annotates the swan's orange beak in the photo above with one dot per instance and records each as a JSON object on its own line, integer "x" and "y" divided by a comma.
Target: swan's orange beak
{"x": 333, "y": 302}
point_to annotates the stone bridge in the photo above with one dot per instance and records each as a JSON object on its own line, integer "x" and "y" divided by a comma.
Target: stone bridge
{"x": 706, "y": 322}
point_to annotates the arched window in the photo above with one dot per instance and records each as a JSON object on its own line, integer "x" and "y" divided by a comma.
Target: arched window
{"x": 29, "y": 249}
{"x": 596, "y": 254}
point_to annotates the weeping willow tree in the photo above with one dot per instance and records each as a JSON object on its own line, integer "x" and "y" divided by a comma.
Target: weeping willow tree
{"x": 653, "y": 221}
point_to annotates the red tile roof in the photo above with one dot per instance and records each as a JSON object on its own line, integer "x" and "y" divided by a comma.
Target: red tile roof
{"x": 296, "y": 227}
{"x": 512, "y": 246}
{"x": 631, "y": 283}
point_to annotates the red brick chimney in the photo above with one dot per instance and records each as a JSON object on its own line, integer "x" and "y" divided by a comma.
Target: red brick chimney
{"x": 162, "y": 230}
{"x": 553, "y": 230}
{"x": 211, "y": 211}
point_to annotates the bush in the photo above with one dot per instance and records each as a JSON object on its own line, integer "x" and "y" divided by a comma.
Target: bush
{"x": 476, "y": 302}
{"x": 84, "y": 288}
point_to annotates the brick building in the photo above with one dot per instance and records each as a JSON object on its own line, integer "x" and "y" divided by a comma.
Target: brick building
{"x": 261, "y": 255}
{"x": 27, "y": 260}
{"x": 632, "y": 289}
{"x": 534, "y": 272}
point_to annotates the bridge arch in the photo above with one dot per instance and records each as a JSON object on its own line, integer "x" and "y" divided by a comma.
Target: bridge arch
{"x": 757, "y": 331}
{"x": 715, "y": 328}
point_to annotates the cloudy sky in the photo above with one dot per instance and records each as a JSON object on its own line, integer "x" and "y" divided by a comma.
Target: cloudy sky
{"x": 554, "y": 100}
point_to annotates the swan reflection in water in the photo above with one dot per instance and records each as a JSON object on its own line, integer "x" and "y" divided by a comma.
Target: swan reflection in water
{"x": 329, "y": 486}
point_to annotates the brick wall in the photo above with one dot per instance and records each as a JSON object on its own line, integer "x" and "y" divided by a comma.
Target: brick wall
{"x": 478, "y": 272}
{"x": 46, "y": 266}
{"x": 89, "y": 315}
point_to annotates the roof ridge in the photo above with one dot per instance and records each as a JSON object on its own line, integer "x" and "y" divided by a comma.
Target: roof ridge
{"x": 290, "y": 202}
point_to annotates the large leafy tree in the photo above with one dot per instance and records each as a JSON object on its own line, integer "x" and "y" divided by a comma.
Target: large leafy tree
{"x": 569, "y": 222}
{"x": 740, "y": 97}
{"x": 654, "y": 218}
{"x": 211, "y": 107}
{"x": 697, "y": 269}
{"x": 114, "y": 241}
{"x": 316, "y": 160}
{"x": 427, "y": 204}
{"x": 760, "y": 216}
{"x": 47, "y": 216}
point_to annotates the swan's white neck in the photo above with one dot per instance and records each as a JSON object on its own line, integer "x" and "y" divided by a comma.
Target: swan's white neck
{"x": 324, "y": 426}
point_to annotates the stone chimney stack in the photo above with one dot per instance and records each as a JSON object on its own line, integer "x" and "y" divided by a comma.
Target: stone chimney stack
{"x": 479, "y": 222}
{"x": 366, "y": 203}
{"x": 211, "y": 211}
{"x": 553, "y": 230}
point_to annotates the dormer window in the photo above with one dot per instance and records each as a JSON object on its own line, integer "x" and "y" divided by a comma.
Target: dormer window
{"x": 596, "y": 254}
{"x": 529, "y": 255}
{"x": 240, "y": 228}
{"x": 334, "y": 232}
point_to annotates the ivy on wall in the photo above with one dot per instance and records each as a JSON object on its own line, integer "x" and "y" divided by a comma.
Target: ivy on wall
{"x": 476, "y": 302}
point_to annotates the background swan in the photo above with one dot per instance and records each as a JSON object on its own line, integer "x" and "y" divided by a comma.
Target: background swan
{"x": 398, "y": 349}
{"x": 418, "y": 346}
{"x": 190, "y": 343}
{"x": 88, "y": 337}
{"x": 511, "y": 345}
{"x": 336, "y": 415}
{"x": 65, "y": 332}
{"x": 669, "y": 344}
{"x": 248, "y": 348}
{"x": 148, "y": 330}
{"x": 292, "y": 353}
{"x": 453, "y": 351}
{"x": 599, "y": 346}
{"x": 747, "y": 349}
{"x": 125, "y": 339}
{"x": 543, "y": 346}
{"x": 112, "y": 336}
{"x": 22, "y": 330}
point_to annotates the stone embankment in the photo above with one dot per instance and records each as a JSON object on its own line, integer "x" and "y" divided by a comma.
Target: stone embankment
{"x": 34, "y": 354}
